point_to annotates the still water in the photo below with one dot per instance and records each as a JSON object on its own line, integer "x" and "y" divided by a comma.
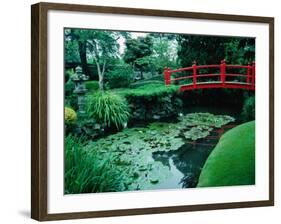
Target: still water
{"x": 186, "y": 163}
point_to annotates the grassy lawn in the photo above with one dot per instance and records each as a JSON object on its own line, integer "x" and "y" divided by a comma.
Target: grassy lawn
{"x": 232, "y": 162}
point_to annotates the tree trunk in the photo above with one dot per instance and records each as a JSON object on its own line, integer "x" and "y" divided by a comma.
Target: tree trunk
{"x": 141, "y": 74}
{"x": 100, "y": 73}
{"x": 101, "y": 83}
{"x": 83, "y": 58}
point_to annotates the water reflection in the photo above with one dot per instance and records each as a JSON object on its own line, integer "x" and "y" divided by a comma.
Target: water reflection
{"x": 186, "y": 163}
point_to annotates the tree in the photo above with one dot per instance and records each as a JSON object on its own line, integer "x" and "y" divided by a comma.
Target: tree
{"x": 96, "y": 46}
{"x": 212, "y": 49}
{"x": 240, "y": 50}
{"x": 102, "y": 45}
{"x": 203, "y": 49}
{"x": 164, "y": 51}
{"x": 71, "y": 51}
{"x": 76, "y": 47}
{"x": 137, "y": 49}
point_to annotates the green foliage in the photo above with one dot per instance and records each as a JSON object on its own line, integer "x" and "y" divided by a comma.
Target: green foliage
{"x": 87, "y": 172}
{"x": 71, "y": 51}
{"x": 146, "y": 82}
{"x": 240, "y": 50}
{"x": 203, "y": 49}
{"x": 212, "y": 49}
{"x": 164, "y": 54}
{"x": 157, "y": 77}
{"x": 248, "y": 110}
{"x": 92, "y": 86}
{"x": 152, "y": 101}
{"x": 70, "y": 115}
{"x": 202, "y": 124}
{"x": 232, "y": 162}
{"x": 137, "y": 49}
{"x": 120, "y": 76}
{"x": 132, "y": 148}
{"x": 97, "y": 47}
{"x": 68, "y": 74}
{"x": 108, "y": 108}
{"x": 69, "y": 88}
{"x": 148, "y": 91}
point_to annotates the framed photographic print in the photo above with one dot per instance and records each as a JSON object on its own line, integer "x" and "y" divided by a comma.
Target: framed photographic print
{"x": 139, "y": 111}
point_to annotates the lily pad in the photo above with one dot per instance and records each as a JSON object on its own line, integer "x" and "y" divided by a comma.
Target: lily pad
{"x": 132, "y": 148}
{"x": 197, "y": 132}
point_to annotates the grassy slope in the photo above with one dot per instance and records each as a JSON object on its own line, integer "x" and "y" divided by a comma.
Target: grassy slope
{"x": 232, "y": 162}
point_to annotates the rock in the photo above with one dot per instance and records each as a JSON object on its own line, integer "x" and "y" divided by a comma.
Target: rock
{"x": 154, "y": 180}
{"x": 142, "y": 168}
{"x": 156, "y": 117}
{"x": 97, "y": 126}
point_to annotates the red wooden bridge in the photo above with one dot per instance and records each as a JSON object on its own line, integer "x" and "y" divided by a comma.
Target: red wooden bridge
{"x": 212, "y": 76}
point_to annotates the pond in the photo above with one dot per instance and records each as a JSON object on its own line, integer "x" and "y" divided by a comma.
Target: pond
{"x": 164, "y": 155}
{"x": 186, "y": 163}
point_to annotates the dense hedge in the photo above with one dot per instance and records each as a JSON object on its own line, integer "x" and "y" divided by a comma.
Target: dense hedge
{"x": 152, "y": 101}
{"x": 232, "y": 162}
{"x": 145, "y": 82}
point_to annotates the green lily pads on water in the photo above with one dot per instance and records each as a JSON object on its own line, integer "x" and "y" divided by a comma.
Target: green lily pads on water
{"x": 197, "y": 132}
{"x": 132, "y": 148}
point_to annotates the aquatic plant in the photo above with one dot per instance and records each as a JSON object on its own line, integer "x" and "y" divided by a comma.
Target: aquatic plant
{"x": 197, "y": 132}
{"x": 132, "y": 148}
{"x": 205, "y": 119}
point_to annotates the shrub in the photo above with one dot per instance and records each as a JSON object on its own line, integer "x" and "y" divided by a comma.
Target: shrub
{"x": 108, "y": 108}
{"x": 232, "y": 162}
{"x": 248, "y": 110}
{"x": 157, "y": 78}
{"x": 69, "y": 88}
{"x": 92, "y": 85}
{"x": 67, "y": 74}
{"x": 70, "y": 115}
{"x": 86, "y": 172}
{"x": 152, "y": 101}
{"x": 145, "y": 82}
{"x": 148, "y": 91}
{"x": 121, "y": 76}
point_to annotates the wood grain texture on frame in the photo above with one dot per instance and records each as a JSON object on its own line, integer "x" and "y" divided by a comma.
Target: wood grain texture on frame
{"x": 39, "y": 206}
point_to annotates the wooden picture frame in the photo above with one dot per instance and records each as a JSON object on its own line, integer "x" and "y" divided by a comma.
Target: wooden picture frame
{"x": 39, "y": 109}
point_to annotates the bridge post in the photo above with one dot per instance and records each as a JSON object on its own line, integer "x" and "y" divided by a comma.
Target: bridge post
{"x": 194, "y": 73}
{"x": 249, "y": 68}
{"x": 223, "y": 71}
{"x": 253, "y": 74}
{"x": 167, "y": 76}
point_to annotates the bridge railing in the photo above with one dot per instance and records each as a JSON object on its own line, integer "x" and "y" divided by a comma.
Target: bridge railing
{"x": 223, "y": 73}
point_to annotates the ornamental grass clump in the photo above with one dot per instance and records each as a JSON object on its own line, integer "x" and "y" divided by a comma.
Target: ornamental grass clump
{"x": 87, "y": 172}
{"x": 108, "y": 108}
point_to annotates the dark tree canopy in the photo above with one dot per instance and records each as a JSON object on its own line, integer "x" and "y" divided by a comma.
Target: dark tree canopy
{"x": 212, "y": 49}
{"x": 202, "y": 49}
{"x": 137, "y": 49}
